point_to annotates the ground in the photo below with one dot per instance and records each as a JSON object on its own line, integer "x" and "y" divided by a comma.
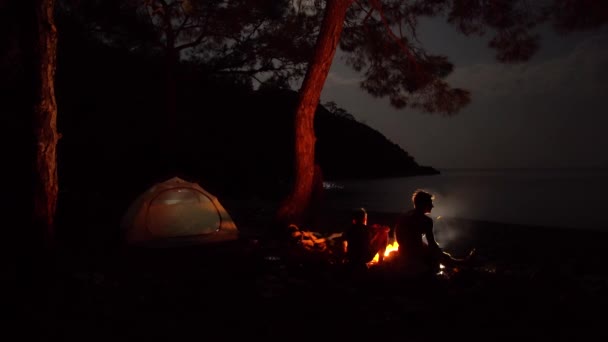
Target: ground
{"x": 531, "y": 282}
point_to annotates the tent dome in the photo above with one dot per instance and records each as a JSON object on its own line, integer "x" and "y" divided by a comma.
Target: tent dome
{"x": 177, "y": 212}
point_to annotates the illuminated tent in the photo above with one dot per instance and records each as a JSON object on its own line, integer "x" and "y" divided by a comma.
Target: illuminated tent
{"x": 177, "y": 212}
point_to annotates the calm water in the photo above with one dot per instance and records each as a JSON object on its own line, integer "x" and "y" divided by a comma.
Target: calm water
{"x": 547, "y": 197}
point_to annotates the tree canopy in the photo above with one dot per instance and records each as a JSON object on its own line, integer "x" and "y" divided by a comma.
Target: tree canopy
{"x": 263, "y": 40}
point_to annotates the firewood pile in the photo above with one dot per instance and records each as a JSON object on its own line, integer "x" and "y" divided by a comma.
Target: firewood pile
{"x": 316, "y": 242}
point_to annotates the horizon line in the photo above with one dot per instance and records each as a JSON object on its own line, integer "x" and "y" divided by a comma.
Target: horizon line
{"x": 526, "y": 168}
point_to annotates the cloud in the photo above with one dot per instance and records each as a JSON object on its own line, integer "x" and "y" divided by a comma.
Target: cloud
{"x": 581, "y": 72}
{"x": 335, "y": 79}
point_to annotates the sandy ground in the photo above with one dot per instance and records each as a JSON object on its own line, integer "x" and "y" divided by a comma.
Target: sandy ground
{"x": 530, "y": 282}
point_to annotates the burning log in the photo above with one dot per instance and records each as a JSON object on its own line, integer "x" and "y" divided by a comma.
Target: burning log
{"x": 379, "y": 232}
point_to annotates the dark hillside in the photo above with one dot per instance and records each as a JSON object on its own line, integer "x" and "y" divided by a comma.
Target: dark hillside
{"x": 349, "y": 149}
{"x": 234, "y": 140}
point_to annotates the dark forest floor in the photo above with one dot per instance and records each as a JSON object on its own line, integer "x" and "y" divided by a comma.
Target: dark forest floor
{"x": 532, "y": 282}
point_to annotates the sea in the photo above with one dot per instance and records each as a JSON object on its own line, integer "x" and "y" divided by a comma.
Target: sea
{"x": 561, "y": 198}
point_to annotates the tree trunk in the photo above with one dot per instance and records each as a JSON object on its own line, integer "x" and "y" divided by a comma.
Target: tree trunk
{"x": 170, "y": 145}
{"x": 45, "y": 121}
{"x": 292, "y": 209}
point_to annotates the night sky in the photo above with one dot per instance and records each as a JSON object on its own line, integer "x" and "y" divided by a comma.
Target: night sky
{"x": 547, "y": 112}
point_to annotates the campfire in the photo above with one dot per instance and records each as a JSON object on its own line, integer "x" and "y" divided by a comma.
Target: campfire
{"x": 394, "y": 247}
{"x": 390, "y": 248}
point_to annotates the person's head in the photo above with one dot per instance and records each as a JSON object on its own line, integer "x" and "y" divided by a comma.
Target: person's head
{"x": 360, "y": 216}
{"x": 423, "y": 201}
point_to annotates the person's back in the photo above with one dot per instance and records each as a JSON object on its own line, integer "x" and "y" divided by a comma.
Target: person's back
{"x": 357, "y": 239}
{"x": 410, "y": 229}
{"x": 364, "y": 242}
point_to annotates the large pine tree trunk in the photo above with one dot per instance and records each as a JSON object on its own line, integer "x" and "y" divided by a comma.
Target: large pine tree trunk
{"x": 45, "y": 180}
{"x": 297, "y": 202}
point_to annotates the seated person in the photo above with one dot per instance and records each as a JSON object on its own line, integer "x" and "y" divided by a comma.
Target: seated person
{"x": 417, "y": 256}
{"x": 363, "y": 242}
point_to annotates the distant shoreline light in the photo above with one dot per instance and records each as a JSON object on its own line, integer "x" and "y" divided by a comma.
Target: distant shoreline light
{"x": 332, "y": 186}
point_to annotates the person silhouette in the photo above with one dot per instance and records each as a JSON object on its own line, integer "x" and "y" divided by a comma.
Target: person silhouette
{"x": 363, "y": 242}
{"x": 416, "y": 255}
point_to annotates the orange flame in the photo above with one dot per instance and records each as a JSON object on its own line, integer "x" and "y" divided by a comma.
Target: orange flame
{"x": 391, "y": 247}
